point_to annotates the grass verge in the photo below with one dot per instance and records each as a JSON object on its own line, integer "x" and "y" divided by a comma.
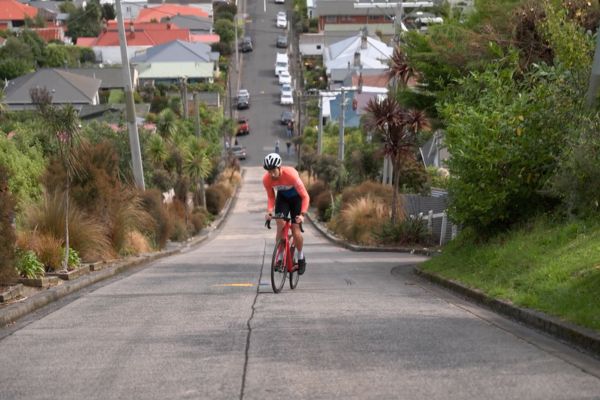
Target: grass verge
{"x": 547, "y": 266}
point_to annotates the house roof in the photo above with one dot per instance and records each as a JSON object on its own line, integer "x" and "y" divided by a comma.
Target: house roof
{"x": 12, "y": 10}
{"x": 206, "y": 38}
{"x": 193, "y": 23}
{"x": 168, "y": 10}
{"x": 341, "y": 54}
{"x": 346, "y": 7}
{"x": 65, "y": 87}
{"x": 177, "y": 50}
{"x": 140, "y": 35}
{"x": 50, "y": 33}
{"x": 379, "y": 79}
{"x": 174, "y": 70}
{"x": 111, "y": 78}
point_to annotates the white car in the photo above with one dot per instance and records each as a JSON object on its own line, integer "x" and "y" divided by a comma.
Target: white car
{"x": 285, "y": 77}
{"x": 244, "y": 93}
{"x": 281, "y": 14}
{"x": 281, "y": 22}
{"x": 286, "y": 87}
{"x": 280, "y": 1}
{"x": 286, "y": 99}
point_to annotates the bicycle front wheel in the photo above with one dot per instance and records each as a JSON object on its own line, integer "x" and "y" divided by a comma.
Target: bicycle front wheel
{"x": 278, "y": 267}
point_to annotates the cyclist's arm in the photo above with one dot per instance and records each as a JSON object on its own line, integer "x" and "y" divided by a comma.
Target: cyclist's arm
{"x": 270, "y": 194}
{"x": 299, "y": 185}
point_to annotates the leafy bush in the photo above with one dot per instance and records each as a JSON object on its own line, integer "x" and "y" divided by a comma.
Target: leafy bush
{"x": 28, "y": 265}
{"x": 316, "y": 188}
{"x": 199, "y": 219}
{"x": 375, "y": 190}
{"x": 73, "y": 261}
{"x": 7, "y": 230}
{"x": 406, "y": 232}
{"x": 25, "y": 163}
{"x": 322, "y": 202}
{"x": 216, "y": 197}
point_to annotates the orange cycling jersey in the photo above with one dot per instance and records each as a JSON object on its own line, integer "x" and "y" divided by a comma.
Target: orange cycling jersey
{"x": 288, "y": 185}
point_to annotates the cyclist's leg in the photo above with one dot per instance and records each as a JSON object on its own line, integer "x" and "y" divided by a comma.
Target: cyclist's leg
{"x": 281, "y": 207}
{"x": 295, "y": 209}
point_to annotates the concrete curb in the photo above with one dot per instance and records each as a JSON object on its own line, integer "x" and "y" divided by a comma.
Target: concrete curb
{"x": 12, "y": 312}
{"x": 354, "y": 247}
{"x": 585, "y": 339}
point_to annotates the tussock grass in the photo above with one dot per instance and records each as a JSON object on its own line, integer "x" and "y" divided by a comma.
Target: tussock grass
{"x": 548, "y": 266}
{"x": 86, "y": 234}
{"x": 46, "y": 246}
{"x": 359, "y": 220}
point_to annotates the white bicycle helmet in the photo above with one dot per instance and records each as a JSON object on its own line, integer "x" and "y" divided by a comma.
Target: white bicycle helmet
{"x": 272, "y": 161}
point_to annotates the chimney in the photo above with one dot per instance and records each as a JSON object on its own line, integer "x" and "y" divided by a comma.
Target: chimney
{"x": 168, "y": 25}
{"x": 363, "y": 39}
{"x": 132, "y": 29}
{"x": 357, "y": 58}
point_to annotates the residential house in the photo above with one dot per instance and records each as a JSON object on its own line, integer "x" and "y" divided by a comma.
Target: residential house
{"x": 50, "y": 11}
{"x": 65, "y": 88}
{"x": 110, "y": 78}
{"x": 195, "y": 24}
{"x": 139, "y": 38}
{"x": 311, "y": 44}
{"x": 171, "y": 61}
{"x": 341, "y": 16}
{"x": 356, "y": 53}
{"x": 206, "y": 5}
{"x": 13, "y": 14}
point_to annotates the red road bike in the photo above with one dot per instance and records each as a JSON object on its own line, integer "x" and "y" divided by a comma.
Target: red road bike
{"x": 283, "y": 261}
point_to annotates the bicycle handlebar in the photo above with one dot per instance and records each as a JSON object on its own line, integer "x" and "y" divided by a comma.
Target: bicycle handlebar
{"x": 280, "y": 216}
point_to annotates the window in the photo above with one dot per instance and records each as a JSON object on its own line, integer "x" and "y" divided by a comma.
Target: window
{"x": 331, "y": 19}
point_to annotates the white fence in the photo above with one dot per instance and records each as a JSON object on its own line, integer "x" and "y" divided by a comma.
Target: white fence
{"x": 432, "y": 211}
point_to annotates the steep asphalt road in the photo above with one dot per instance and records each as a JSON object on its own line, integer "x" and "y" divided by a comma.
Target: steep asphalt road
{"x": 205, "y": 325}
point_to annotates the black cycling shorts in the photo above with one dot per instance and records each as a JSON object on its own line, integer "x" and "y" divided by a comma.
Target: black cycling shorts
{"x": 288, "y": 205}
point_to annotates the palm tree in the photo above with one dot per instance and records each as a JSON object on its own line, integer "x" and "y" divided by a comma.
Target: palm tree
{"x": 400, "y": 71}
{"x": 63, "y": 124}
{"x": 398, "y": 129}
{"x": 157, "y": 150}
{"x": 167, "y": 123}
{"x": 198, "y": 166}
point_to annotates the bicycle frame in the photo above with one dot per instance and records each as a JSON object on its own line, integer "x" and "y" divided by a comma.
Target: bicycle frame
{"x": 289, "y": 243}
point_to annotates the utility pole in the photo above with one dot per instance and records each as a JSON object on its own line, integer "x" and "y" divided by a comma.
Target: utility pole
{"x": 594, "y": 76}
{"x": 134, "y": 140}
{"x": 237, "y": 58}
{"x": 197, "y": 130}
{"x": 342, "y": 123}
{"x": 184, "y": 96}
{"x": 320, "y": 133}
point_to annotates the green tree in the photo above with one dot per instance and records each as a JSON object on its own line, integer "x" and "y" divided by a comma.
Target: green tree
{"x": 198, "y": 166}
{"x": 85, "y": 22}
{"x": 226, "y": 30}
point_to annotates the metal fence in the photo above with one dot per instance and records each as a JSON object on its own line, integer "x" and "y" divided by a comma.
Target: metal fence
{"x": 432, "y": 211}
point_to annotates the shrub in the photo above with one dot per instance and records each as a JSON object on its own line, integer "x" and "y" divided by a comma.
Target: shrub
{"x": 216, "y": 197}
{"x": 322, "y": 202}
{"x": 7, "y": 230}
{"x": 136, "y": 243}
{"x": 86, "y": 234}
{"x": 408, "y": 231}
{"x": 28, "y": 265}
{"x": 73, "y": 261}
{"x": 163, "y": 226}
{"x": 48, "y": 249}
{"x": 316, "y": 188}
{"x": 359, "y": 220}
{"x": 199, "y": 219}
{"x": 125, "y": 217}
{"x": 375, "y": 190}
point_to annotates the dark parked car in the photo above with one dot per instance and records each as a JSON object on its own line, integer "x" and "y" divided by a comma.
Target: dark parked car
{"x": 246, "y": 45}
{"x": 286, "y": 117}
{"x": 239, "y": 152}
{"x": 282, "y": 41}
{"x": 243, "y": 127}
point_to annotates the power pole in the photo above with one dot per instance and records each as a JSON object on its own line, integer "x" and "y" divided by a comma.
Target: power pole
{"x": 184, "y": 96}
{"x": 342, "y": 123}
{"x": 594, "y": 76}
{"x": 320, "y": 133}
{"x": 134, "y": 139}
{"x": 237, "y": 58}
{"x": 197, "y": 130}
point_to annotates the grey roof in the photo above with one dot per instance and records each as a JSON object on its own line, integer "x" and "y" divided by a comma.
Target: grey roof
{"x": 111, "y": 112}
{"x": 346, "y": 7}
{"x": 177, "y": 50}
{"x": 193, "y": 23}
{"x": 182, "y": 2}
{"x": 65, "y": 87}
{"x": 112, "y": 78}
{"x": 51, "y": 5}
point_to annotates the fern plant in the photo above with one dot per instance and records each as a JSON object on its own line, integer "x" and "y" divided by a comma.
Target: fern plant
{"x": 28, "y": 265}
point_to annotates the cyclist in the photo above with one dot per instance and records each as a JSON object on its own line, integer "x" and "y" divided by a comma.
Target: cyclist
{"x": 292, "y": 198}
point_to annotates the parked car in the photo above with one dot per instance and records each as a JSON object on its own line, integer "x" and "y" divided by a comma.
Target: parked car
{"x": 285, "y": 77}
{"x": 239, "y": 152}
{"x": 243, "y": 99}
{"x": 244, "y": 92}
{"x": 286, "y": 117}
{"x": 280, "y": 1}
{"x": 281, "y": 22}
{"x": 286, "y": 87}
{"x": 246, "y": 45}
{"x": 281, "y": 14}
{"x": 286, "y": 99}
{"x": 282, "y": 42}
{"x": 243, "y": 126}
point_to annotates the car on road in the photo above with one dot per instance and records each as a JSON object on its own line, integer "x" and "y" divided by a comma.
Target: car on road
{"x": 286, "y": 87}
{"x": 243, "y": 126}
{"x": 246, "y": 45}
{"x": 285, "y": 77}
{"x": 281, "y": 22}
{"x": 281, "y": 14}
{"x": 243, "y": 102}
{"x": 280, "y": 1}
{"x": 282, "y": 42}
{"x": 244, "y": 92}
{"x": 286, "y": 117}
{"x": 286, "y": 99}
{"x": 239, "y": 152}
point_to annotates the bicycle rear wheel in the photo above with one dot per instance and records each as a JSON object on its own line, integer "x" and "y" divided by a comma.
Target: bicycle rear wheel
{"x": 294, "y": 276}
{"x": 278, "y": 268}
